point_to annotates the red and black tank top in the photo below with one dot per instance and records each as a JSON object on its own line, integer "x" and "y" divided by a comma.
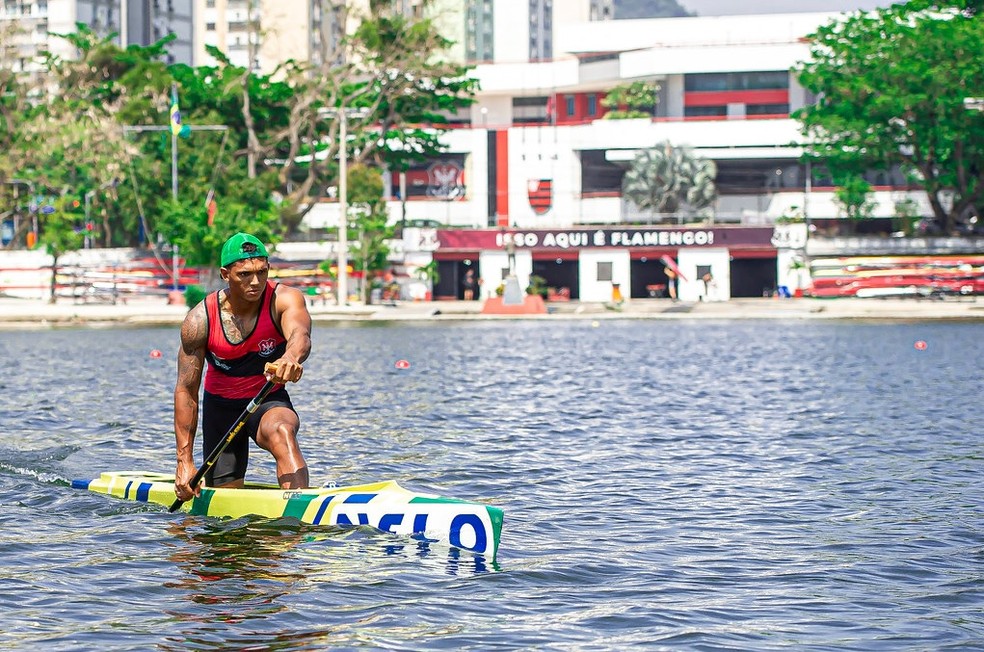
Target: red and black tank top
{"x": 236, "y": 370}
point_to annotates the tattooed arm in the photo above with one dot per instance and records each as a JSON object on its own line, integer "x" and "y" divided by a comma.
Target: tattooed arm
{"x": 191, "y": 361}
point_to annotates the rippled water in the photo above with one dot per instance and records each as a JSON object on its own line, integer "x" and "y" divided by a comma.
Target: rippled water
{"x": 681, "y": 485}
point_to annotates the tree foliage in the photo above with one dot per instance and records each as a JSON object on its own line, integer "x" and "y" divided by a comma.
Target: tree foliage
{"x": 265, "y": 147}
{"x": 853, "y": 197}
{"x": 890, "y": 87}
{"x": 636, "y": 99}
{"x": 668, "y": 179}
{"x": 387, "y": 80}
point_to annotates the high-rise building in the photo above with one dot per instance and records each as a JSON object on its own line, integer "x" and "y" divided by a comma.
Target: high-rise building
{"x": 487, "y": 31}
{"x": 262, "y": 34}
{"x": 28, "y": 26}
{"x": 147, "y": 21}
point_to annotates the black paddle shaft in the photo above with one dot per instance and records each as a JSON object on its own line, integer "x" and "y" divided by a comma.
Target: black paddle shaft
{"x": 233, "y": 431}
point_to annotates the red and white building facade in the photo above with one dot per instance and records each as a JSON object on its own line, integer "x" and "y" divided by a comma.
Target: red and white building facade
{"x": 534, "y": 167}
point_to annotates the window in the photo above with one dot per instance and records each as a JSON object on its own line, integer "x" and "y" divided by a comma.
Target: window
{"x": 598, "y": 174}
{"x": 704, "y": 111}
{"x": 736, "y": 81}
{"x": 529, "y": 110}
{"x": 605, "y": 271}
{"x": 592, "y": 105}
{"x": 571, "y": 105}
{"x": 209, "y": 27}
{"x": 766, "y": 109}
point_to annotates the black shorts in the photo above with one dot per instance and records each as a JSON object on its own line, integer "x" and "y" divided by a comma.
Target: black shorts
{"x": 218, "y": 416}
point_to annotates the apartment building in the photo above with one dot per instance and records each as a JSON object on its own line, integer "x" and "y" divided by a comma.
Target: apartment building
{"x": 262, "y": 34}
{"x": 27, "y": 26}
{"x": 265, "y": 33}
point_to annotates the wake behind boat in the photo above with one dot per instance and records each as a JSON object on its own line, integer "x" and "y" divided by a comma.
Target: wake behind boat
{"x": 386, "y": 506}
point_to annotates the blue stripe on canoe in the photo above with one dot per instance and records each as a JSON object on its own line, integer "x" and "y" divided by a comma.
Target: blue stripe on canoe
{"x": 322, "y": 510}
{"x": 126, "y": 492}
{"x": 343, "y": 519}
{"x": 80, "y": 484}
{"x": 143, "y": 491}
{"x": 360, "y": 498}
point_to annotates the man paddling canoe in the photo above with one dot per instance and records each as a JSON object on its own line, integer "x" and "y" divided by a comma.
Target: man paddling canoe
{"x": 250, "y": 331}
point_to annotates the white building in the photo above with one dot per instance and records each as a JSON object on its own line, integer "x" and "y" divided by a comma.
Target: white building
{"x": 535, "y": 154}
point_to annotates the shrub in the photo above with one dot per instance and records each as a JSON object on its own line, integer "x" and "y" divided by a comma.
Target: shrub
{"x": 193, "y": 295}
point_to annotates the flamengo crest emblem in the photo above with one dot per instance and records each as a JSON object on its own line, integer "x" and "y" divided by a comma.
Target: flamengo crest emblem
{"x": 267, "y": 348}
{"x": 444, "y": 180}
{"x": 540, "y": 192}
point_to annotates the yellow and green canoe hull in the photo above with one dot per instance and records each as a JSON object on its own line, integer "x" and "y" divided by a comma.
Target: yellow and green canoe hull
{"x": 386, "y": 506}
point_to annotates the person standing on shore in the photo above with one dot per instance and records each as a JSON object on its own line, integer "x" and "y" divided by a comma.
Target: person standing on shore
{"x": 251, "y": 331}
{"x": 671, "y": 283}
{"x": 469, "y": 286}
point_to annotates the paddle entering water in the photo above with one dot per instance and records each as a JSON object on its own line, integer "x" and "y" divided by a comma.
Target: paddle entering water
{"x": 229, "y": 436}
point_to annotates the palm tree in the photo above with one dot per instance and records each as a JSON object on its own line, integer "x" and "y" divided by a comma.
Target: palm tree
{"x": 668, "y": 179}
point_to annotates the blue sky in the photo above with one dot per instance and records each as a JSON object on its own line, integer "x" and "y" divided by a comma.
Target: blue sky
{"x": 724, "y": 7}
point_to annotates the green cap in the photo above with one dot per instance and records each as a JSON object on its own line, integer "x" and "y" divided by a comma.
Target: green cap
{"x": 240, "y": 247}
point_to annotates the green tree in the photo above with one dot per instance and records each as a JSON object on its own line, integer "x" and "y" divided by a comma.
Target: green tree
{"x": 68, "y": 138}
{"x": 391, "y": 68}
{"x": 95, "y": 127}
{"x": 13, "y": 95}
{"x": 668, "y": 179}
{"x": 66, "y": 144}
{"x": 16, "y": 110}
{"x": 288, "y": 123}
{"x": 890, "y": 86}
{"x": 61, "y": 235}
{"x": 636, "y": 99}
{"x": 853, "y": 197}
{"x": 223, "y": 166}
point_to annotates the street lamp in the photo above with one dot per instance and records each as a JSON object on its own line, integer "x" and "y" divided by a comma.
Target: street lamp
{"x": 341, "y": 291}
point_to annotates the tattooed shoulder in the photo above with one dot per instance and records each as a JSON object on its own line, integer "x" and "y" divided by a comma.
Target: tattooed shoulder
{"x": 194, "y": 330}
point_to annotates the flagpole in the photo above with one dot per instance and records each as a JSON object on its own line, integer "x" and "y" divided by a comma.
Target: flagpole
{"x": 174, "y": 167}
{"x": 174, "y": 142}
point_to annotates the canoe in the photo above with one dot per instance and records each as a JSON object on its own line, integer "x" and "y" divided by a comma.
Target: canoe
{"x": 385, "y": 506}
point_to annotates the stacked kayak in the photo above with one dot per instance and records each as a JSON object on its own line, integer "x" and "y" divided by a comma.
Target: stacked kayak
{"x": 385, "y": 506}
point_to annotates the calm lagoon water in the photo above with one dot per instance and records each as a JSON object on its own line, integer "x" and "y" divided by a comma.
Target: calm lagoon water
{"x": 666, "y": 485}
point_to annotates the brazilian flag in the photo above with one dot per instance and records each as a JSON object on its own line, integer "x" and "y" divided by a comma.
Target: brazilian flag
{"x": 175, "y": 114}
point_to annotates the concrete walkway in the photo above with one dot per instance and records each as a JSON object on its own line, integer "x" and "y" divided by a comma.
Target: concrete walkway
{"x": 27, "y": 313}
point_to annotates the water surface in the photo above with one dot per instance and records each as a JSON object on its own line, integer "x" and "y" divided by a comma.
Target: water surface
{"x": 666, "y": 485}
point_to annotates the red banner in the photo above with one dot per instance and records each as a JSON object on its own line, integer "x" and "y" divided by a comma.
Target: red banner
{"x": 616, "y": 238}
